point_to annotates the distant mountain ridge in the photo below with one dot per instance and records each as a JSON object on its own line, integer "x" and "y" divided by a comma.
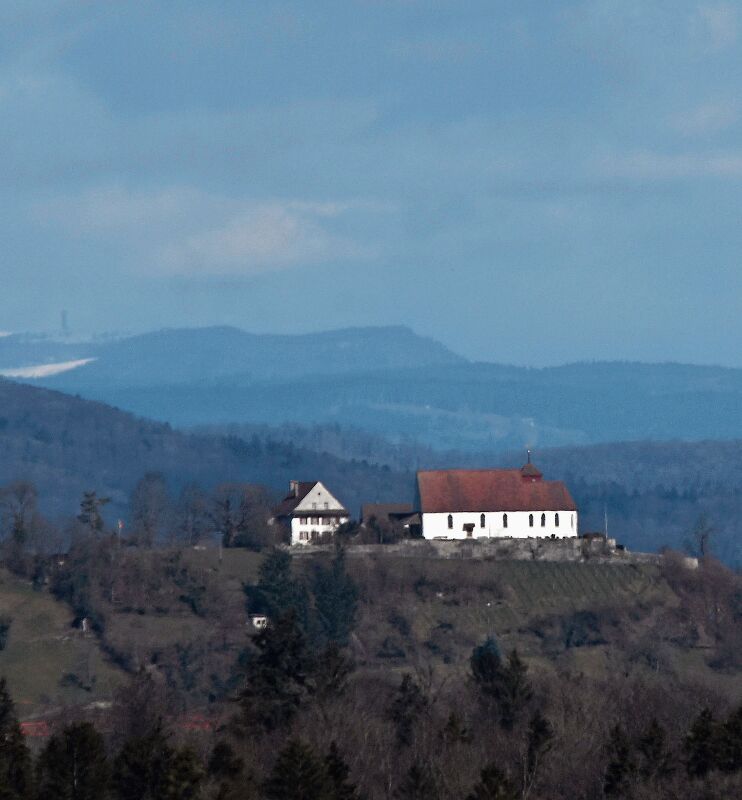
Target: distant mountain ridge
{"x": 391, "y": 383}
{"x": 188, "y": 355}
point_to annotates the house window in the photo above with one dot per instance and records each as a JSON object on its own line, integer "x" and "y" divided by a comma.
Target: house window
{"x": 504, "y": 520}
{"x": 450, "y": 521}
{"x": 327, "y": 505}
{"x": 556, "y": 520}
{"x": 303, "y": 535}
{"x": 314, "y": 506}
{"x": 303, "y": 520}
{"x": 543, "y": 520}
{"x": 530, "y": 520}
{"x": 315, "y": 520}
{"x": 481, "y": 520}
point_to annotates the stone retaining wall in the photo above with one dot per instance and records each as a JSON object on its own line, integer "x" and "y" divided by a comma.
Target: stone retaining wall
{"x": 573, "y": 549}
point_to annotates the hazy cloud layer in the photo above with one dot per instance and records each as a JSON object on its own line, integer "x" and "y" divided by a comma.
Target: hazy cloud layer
{"x": 531, "y": 182}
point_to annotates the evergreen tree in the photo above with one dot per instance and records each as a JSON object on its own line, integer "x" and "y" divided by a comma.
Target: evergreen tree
{"x": 417, "y": 784}
{"x": 486, "y": 665}
{"x": 298, "y": 775}
{"x": 506, "y": 683}
{"x": 91, "y": 511}
{"x": 701, "y": 745}
{"x": 278, "y": 677}
{"x": 224, "y": 762}
{"x": 655, "y": 758}
{"x": 337, "y": 773}
{"x": 226, "y": 769}
{"x": 277, "y": 590}
{"x": 621, "y": 766}
{"x": 15, "y": 759}
{"x": 515, "y": 690}
{"x": 408, "y": 704}
{"x": 148, "y": 768}
{"x": 730, "y": 743}
{"x": 73, "y": 765}
{"x": 336, "y": 600}
{"x": 493, "y": 785}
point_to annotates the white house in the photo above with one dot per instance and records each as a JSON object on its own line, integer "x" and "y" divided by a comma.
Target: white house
{"x": 471, "y": 504}
{"x": 310, "y": 510}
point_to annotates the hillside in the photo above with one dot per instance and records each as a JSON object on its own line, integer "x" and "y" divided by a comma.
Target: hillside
{"x": 387, "y": 382}
{"x": 445, "y": 404}
{"x": 190, "y": 356}
{"x": 585, "y": 618}
{"x": 652, "y": 493}
{"x": 67, "y": 445}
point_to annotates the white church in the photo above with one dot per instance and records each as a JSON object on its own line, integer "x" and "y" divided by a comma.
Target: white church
{"x": 487, "y": 503}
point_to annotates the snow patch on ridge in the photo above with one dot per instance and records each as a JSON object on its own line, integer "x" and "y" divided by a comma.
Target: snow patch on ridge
{"x": 44, "y": 370}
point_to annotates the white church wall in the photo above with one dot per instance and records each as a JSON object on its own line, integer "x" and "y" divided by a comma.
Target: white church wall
{"x": 435, "y": 526}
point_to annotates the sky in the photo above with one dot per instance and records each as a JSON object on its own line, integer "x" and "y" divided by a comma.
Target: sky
{"x": 527, "y": 182}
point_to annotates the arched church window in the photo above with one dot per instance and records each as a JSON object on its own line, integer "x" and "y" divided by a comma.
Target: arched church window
{"x": 504, "y": 520}
{"x": 481, "y": 520}
{"x": 543, "y": 520}
{"x": 530, "y": 520}
{"x": 450, "y": 521}
{"x": 556, "y": 520}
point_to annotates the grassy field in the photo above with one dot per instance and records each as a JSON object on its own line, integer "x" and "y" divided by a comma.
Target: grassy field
{"x": 43, "y": 647}
{"x": 421, "y": 612}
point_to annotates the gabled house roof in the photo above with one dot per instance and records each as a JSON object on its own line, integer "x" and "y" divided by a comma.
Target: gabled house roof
{"x": 457, "y": 490}
{"x": 298, "y": 492}
{"x": 300, "y": 489}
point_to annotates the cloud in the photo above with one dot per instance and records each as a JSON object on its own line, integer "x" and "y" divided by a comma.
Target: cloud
{"x": 180, "y": 230}
{"x": 261, "y": 238}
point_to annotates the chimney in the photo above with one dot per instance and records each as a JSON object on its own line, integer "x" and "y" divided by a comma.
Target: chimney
{"x": 294, "y": 488}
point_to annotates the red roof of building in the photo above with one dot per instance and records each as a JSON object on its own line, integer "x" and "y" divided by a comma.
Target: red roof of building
{"x": 456, "y": 490}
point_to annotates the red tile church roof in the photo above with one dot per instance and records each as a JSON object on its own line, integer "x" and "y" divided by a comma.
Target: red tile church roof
{"x": 456, "y": 490}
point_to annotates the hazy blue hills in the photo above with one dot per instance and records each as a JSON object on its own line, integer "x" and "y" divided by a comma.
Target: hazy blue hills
{"x": 192, "y": 355}
{"x": 653, "y": 492}
{"x": 391, "y": 383}
{"x": 66, "y": 445}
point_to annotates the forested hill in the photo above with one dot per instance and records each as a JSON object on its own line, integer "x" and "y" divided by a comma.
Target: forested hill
{"x": 66, "y": 445}
{"x": 653, "y": 493}
{"x": 189, "y": 356}
{"x": 444, "y": 405}
{"x": 386, "y": 381}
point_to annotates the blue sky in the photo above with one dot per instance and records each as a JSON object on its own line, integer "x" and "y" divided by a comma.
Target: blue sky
{"x": 529, "y": 182}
